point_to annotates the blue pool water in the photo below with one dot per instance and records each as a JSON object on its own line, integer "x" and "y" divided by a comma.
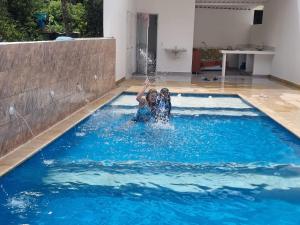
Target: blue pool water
{"x": 218, "y": 161}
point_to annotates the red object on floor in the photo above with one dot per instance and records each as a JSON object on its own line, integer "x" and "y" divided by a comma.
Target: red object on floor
{"x": 196, "y": 67}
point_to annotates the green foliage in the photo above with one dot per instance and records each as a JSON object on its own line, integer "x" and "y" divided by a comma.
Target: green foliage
{"x": 8, "y": 27}
{"x": 18, "y": 22}
{"x": 22, "y": 10}
{"x": 55, "y": 23}
{"x": 77, "y": 13}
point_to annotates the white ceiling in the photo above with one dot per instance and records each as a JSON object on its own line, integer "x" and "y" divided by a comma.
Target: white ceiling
{"x": 230, "y": 4}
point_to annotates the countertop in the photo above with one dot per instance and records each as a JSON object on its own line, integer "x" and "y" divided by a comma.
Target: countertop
{"x": 248, "y": 52}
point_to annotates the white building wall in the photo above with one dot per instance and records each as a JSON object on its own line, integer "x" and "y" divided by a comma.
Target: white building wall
{"x": 115, "y": 23}
{"x": 281, "y": 29}
{"x": 222, "y": 27}
{"x": 175, "y": 28}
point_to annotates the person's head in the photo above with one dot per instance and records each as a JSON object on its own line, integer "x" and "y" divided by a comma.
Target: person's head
{"x": 151, "y": 96}
{"x": 165, "y": 93}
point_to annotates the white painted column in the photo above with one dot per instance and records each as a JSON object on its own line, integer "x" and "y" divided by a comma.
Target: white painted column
{"x": 224, "y": 65}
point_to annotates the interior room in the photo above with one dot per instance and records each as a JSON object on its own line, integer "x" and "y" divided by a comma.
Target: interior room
{"x": 227, "y": 28}
{"x": 222, "y": 38}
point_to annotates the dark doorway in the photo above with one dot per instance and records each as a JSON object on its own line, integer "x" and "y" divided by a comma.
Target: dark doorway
{"x": 146, "y": 43}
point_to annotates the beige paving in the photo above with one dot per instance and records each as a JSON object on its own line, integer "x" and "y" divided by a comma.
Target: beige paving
{"x": 279, "y": 101}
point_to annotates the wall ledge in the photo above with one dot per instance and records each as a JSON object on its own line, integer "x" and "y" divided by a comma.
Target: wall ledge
{"x": 39, "y": 42}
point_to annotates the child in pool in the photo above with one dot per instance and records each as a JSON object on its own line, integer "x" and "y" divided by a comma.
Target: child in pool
{"x": 163, "y": 105}
{"x": 147, "y": 106}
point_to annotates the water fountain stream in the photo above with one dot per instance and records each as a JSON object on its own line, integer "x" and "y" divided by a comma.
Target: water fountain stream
{"x": 81, "y": 90}
{"x": 149, "y": 61}
{"x": 3, "y": 190}
{"x": 14, "y": 112}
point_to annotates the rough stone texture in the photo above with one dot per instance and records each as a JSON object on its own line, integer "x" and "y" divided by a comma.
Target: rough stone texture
{"x": 76, "y": 71}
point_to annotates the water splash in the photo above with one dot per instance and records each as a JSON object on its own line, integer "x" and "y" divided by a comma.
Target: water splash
{"x": 48, "y": 162}
{"x": 23, "y": 201}
{"x": 80, "y": 134}
{"x": 52, "y": 97}
{"x": 14, "y": 112}
{"x": 3, "y": 190}
{"x": 161, "y": 124}
{"x": 18, "y": 205}
{"x": 81, "y": 90}
{"x": 151, "y": 63}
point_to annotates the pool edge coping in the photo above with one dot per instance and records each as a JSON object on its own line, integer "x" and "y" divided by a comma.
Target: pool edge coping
{"x": 281, "y": 121}
{"x": 33, "y": 146}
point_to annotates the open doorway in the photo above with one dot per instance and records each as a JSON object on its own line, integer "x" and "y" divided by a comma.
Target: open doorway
{"x": 131, "y": 44}
{"x": 146, "y": 50}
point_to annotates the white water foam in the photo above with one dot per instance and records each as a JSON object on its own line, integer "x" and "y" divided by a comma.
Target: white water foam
{"x": 161, "y": 125}
{"x": 48, "y": 162}
{"x": 22, "y": 202}
{"x": 80, "y": 134}
{"x": 18, "y": 204}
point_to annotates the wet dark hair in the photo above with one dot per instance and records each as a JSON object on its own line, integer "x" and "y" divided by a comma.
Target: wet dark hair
{"x": 149, "y": 93}
{"x": 165, "y": 91}
{"x": 165, "y": 96}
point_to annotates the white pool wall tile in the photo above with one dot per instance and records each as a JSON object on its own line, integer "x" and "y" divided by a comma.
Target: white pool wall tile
{"x": 194, "y": 112}
{"x": 191, "y": 102}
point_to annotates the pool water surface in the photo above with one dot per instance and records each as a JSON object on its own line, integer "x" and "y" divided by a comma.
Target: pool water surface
{"x": 218, "y": 161}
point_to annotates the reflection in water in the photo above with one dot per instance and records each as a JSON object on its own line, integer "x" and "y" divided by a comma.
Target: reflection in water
{"x": 186, "y": 178}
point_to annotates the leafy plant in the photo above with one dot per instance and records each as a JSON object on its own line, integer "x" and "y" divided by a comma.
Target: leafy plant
{"x": 77, "y": 13}
{"x": 18, "y": 18}
{"x": 9, "y": 29}
{"x": 54, "y": 12}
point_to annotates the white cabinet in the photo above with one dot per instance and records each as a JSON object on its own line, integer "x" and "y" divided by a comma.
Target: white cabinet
{"x": 257, "y": 62}
{"x": 262, "y": 64}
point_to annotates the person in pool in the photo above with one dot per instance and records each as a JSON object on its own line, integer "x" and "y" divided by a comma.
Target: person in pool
{"x": 147, "y": 106}
{"x": 163, "y": 105}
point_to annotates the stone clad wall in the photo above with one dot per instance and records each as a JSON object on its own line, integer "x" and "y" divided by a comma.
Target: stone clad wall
{"x": 46, "y": 81}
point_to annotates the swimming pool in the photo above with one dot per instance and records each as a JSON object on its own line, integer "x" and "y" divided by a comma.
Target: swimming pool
{"x": 219, "y": 161}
